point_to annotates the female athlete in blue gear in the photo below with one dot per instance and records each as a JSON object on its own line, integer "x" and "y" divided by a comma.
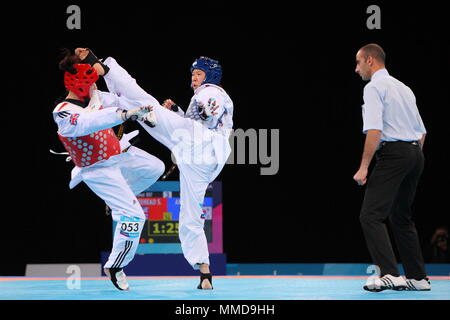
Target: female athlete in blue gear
{"x": 199, "y": 140}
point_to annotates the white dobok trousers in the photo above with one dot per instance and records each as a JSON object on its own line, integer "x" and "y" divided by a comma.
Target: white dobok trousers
{"x": 117, "y": 181}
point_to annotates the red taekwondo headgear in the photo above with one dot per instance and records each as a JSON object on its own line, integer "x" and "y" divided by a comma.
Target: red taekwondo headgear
{"x": 80, "y": 81}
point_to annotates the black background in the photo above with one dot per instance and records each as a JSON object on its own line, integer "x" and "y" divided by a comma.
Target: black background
{"x": 288, "y": 67}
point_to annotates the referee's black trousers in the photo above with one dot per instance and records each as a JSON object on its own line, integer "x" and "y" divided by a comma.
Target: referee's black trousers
{"x": 389, "y": 196}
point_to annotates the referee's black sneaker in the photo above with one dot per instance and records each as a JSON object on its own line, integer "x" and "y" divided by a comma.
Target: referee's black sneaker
{"x": 387, "y": 282}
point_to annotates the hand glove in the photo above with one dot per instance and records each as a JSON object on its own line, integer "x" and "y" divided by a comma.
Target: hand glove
{"x": 134, "y": 114}
{"x": 150, "y": 119}
{"x": 206, "y": 112}
{"x": 169, "y": 104}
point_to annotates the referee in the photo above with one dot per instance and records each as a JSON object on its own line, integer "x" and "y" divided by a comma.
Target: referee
{"x": 395, "y": 134}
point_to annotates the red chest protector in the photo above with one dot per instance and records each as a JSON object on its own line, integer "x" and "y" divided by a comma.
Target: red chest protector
{"x": 90, "y": 149}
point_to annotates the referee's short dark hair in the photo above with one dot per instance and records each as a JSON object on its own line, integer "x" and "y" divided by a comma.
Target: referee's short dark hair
{"x": 375, "y": 51}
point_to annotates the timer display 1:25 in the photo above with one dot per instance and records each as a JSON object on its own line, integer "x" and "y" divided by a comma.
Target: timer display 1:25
{"x": 159, "y": 228}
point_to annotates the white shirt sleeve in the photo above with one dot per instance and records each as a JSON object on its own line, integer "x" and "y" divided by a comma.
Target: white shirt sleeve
{"x": 421, "y": 125}
{"x": 72, "y": 123}
{"x": 372, "y": 109}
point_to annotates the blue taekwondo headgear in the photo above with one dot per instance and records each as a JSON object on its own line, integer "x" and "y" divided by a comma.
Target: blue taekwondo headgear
{"x": 209, "y": 66}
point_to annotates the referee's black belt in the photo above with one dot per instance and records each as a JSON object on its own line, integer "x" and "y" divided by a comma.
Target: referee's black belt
{"x": 414, "y": 142}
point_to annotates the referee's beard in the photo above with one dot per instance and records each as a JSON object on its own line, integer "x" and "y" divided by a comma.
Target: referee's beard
{"x": 365, "y": 76}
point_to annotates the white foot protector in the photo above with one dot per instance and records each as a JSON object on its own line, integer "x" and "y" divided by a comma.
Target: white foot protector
{"x": 118, "y": 278}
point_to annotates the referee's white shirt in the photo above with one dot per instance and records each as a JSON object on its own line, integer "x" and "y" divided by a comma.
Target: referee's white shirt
{"x": 390, "y": 106}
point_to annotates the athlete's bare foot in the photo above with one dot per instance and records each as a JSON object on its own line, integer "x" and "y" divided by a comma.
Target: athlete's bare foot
{"x": 206, "y": 285}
